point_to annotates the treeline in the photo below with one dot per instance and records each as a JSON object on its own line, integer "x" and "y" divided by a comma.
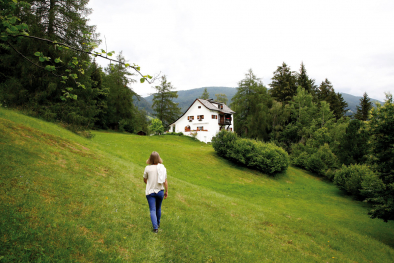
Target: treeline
{"x": 309, "y": 122}
{"x": 94, "y": 97}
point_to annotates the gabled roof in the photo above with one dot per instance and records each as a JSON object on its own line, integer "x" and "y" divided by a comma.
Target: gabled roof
{"x": 208, "y": 104}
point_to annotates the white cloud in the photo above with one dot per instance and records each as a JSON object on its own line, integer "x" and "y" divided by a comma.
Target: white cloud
{"x": 213, "y": 43}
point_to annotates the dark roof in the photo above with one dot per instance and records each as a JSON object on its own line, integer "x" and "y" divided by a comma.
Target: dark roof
{"x": 208, "y": 104}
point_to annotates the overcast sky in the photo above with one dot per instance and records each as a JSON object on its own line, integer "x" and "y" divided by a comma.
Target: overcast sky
{"x": 213, "y": 43}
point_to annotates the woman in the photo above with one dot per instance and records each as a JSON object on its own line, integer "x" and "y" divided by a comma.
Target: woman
{"x": 155, "y": 178}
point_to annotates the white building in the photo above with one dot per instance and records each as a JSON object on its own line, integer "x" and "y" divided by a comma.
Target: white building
{"x": 205, "y": 118}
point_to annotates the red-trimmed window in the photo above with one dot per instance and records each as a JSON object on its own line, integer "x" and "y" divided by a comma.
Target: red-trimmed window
{"x": 199, "y": 107}
{"x": 200, "y": 117}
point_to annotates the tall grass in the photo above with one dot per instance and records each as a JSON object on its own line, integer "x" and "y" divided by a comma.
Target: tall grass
{"x": 67, "y": 198}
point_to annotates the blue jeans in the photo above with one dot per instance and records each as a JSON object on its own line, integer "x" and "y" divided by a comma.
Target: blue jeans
{"x": 154, "y": 201}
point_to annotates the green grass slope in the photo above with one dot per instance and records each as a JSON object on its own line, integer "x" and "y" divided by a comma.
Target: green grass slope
{"x": 66, "y": 198}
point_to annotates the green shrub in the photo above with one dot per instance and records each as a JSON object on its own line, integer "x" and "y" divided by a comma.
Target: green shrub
{"x": 265, "y": 157}
{"x": 315, "y": 164}
{"x": 322, "y": 160}
{"x": 330, "y": 173}
{"x": 350, "y": 179}
{"x": 174, "y": 133}
{"x": 241, "y": 151}
{"x": 223, "y": 141}
{"x": 299, "y": 156}
{"x": 269, "y": 158}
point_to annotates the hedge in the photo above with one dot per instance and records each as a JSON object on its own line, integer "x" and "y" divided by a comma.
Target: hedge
{"x": 265, "y": 157}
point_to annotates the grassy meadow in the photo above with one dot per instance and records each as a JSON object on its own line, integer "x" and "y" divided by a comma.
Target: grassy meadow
{"x": 70, "y": 199}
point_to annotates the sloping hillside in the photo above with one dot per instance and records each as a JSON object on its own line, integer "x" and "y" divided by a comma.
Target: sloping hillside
{"x": 67, "y": 198}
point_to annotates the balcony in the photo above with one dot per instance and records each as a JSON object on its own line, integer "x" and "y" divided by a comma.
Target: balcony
{"x": 225, "y": 120}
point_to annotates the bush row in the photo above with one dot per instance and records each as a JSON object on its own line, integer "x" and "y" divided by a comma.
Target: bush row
{"x": 358, "y": 180}
{"x": 265, "y": 157}
{"x": 321, "y": 161}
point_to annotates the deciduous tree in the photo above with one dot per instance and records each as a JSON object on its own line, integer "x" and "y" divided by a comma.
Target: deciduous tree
{"x": 156, "y": 126}
{"x": 251, "y": 104}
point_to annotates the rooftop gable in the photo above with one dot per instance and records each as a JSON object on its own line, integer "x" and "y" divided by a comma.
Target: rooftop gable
{"x": 210, "y": 106}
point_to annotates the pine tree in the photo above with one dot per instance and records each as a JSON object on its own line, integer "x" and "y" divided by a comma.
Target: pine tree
{"x": 165, "y": 109}
{"x": 364, "y": 108}
{"x": 283, "y": 85}
{"x": 327, "y": 93}
{"x": 251, "y": 104}
{"x": 120, "y": 98}
{"x": 325, "y": 90}
{"x": 305, "y": 82}
{"x": 205, "y": 95}
{"x": 381, "y": 128}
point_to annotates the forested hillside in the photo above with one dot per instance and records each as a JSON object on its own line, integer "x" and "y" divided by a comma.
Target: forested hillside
{"x": 186, "y": 97}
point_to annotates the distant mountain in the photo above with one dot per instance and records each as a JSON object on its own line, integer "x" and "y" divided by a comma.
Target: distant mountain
{"x": 142, "y": 103}
{"x": 186, "y": 98}
{"x": 354, "y": 101}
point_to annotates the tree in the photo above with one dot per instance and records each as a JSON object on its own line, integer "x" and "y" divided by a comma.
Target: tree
{"x": 278, "y": 116}
{"x": 121, "y": 111}
{"x": 56, "y": 53}
{"x": 205, "y": 95}
{"x": 364, "y": 108}
{"x": 353, "y": 146}
{"x": 303, "y": 112}
{"x": 283, "y": 85}
{"x": 303, "y": 80}
{"x": 251, "y": 104}
{"x": 50, "y": 73}
{"x": 156, "y": 126}
{"x": 337, "y": 104}
{"x": 165, "y": 109}
{"x": 221, "y": 98}
{"x": 381, "y": 126}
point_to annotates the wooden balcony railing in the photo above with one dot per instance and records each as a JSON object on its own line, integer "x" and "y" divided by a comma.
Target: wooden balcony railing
{"x": 225, "y": 122}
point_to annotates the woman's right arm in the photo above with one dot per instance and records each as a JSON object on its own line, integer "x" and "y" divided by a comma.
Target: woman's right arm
{"x": 166, "y": 187}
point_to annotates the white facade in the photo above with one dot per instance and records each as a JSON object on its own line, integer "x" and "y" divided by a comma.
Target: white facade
{"x": 206, "y": 118}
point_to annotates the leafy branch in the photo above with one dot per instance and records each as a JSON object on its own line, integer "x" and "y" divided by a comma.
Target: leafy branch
{"x": 10, "y": 29}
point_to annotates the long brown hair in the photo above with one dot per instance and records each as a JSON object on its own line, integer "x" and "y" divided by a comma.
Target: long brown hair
{"x": 154, "y": 158}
